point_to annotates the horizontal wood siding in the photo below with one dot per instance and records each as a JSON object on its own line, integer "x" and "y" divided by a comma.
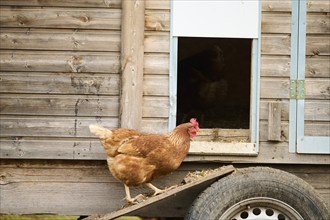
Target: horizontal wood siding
{"x": 317, "y": 86}
{"x": 60, "y": 72}
{"x": 155, "y": 110}
{"x": 275, "y": 72}
{"x": 86, "y": 187}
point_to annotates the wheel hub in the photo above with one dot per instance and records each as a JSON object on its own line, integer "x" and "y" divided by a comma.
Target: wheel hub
{"x": 261, "y": 208}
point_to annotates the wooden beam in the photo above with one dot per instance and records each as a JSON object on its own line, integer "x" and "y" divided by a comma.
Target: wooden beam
{"x": 274, "y": 121}
{"x": 132, "y": 52}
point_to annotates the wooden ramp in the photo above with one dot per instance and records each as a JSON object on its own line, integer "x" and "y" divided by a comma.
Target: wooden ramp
{"x": 169, "y": 200}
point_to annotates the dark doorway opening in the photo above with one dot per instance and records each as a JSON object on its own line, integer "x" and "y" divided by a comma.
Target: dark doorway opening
{"x": 214, "y": 82}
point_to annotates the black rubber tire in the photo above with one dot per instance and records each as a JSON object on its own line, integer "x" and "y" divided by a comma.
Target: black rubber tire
{"x": 256, "y": 182}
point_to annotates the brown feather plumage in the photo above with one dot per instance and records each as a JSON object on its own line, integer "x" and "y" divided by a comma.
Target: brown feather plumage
{"x": 135, "y": 158}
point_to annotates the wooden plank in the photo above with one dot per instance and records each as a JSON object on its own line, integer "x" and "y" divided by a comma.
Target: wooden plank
{"x": 54, "y": 61}
{"x": 223, "y": 135}
{"x": 264, "y": 109}
{"x": 132, "y": 53}
{"x": 158, "y": 4}
{"x": 281, "y": 23}
{"x": 155, "y": 107}
{"x": 155, "y": 201}
{"x": 59, "y": 105}
{"x": 86, "y": 187}
{"x": 317, "y": 45}
{"x": 157, "y": 20}
{"x": 275, "y": 44}
{"x": 284, "y": 131}
{"x": 67, "y": 3}
{"x": 285, "y": 6}
{"x": 274, "y": 121}
{"x": 59, "y": 39}
{"x": 317, "y": 128}
{"x": 281, "y": 45}
{"x": 59, "y": 83}
{"x": 156, "y": 85}
{"x": 318, "y": 23}
{"x": 269, "y": 153}
{"x": 156, "y": 63}
{"x": 276, "y": 66}
{"x": 317, "y": 88}
{"x": 61, "y": 18}
{"x": 51, "y": 126}
{"x": 318, "y": 67}
{"x": 157, "y": 42}
{"x": 278, "y": 6}
{"x": 318, "y": 6}
{"x": 276, "y": 23}
{"x": 155, "y": 125}
{"x": 52, "y": 149}
{"x": 317, "y": 110}
{"x": 274, "y": 88}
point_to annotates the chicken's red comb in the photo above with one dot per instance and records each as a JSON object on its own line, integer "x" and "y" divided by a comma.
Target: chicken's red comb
{"x": 194, "y": 122}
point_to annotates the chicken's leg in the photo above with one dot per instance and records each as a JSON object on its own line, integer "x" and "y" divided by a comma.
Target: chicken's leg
{"x": 154, "y": 188}
{"x": 129, "y": 199}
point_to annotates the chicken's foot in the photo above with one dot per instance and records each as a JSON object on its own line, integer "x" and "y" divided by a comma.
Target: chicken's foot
{"x": 131, "y": 200}
{"x": 157, "y": 190}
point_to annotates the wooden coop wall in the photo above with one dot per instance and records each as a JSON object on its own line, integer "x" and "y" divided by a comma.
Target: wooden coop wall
{"x": 60, "y": 72}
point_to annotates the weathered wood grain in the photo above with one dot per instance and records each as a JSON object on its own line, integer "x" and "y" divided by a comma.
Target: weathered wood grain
{"x": 276, "y": 6}
{"x": 279, "y": 88}
{"x": 156, "y": 63}
{"x": 158, "y": 4}
{"x": 59, "y": 39}
{"x": 65, "y": 3}
{"x": 318, "y": 23}
{"x": 264, "y": 109}
{"x": 155, "y": 125}
{"x": 87, "y": 187}
{"x": 318, "y": 67}
{"x": 318, "y": 6}
{"x": 52, "y": 126}
{"x": 276, "y": 23}
{"x": 275, "y": 66}
{"x": 317, "y": 128}
{"x": 156, "y": 85}
{"x": 274, "y": 121}
{"x": 132, "y": 55}
{"x": 274, "y": 87}
{"x": 55, "y": 149}
{"x": 275, "y": 44}
{"x": 54, "y": 61}
{"x": 285, "y": 6}
{"x": 155, "y": 107}
{"x": 60, "y": 83}
{"x": 281, "y": 23}
{"x": 317, "y": 45}
{"x": 157, "y": 20}
{"x": 157, "y": 42}
{"x": 317, "y": 88}
{"x": 317, "y": 110}
{"x": 61, "y": 18}
{"x": 283, "y": 127}
{"x": 73, "y": 105}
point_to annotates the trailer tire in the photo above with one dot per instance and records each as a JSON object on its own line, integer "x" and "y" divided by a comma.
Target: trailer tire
{"x": 258, "y": 193}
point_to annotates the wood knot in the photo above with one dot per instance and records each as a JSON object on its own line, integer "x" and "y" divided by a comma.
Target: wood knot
{"x": 84, "y": 19}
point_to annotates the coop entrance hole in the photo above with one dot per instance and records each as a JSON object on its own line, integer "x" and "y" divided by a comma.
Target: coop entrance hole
{"x": 214, "y": 81}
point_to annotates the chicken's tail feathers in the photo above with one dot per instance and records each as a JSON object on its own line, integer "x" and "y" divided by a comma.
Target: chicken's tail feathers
{"x": 100, "y": 131}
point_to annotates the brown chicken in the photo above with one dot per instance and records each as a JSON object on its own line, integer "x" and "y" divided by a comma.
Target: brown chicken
{"x": 135, "y": 158}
